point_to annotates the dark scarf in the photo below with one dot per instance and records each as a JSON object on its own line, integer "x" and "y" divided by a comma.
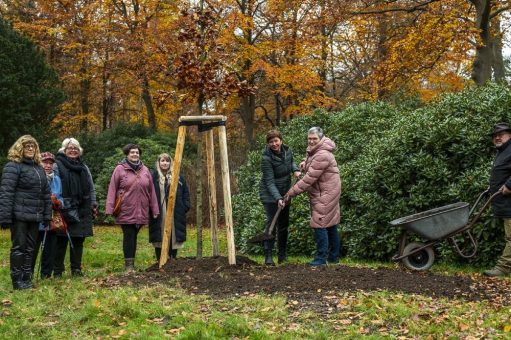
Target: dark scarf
{"x": 75, "y": 178}
{"x": 134, "y": 166}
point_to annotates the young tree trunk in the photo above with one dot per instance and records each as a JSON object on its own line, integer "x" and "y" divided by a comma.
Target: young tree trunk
{"x": 199, "y": 179}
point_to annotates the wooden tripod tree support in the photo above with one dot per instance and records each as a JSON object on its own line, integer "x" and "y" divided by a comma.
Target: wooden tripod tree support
{"x": 205, "y": 123}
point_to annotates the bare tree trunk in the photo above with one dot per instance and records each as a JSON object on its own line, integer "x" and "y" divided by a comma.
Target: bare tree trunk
{"x": 499, "y": 70}
{"x": 481, "y": 67}
{"x": 247, "y": 112}
{"x": 146, "y": 97}
{"x": 84, "y": 98}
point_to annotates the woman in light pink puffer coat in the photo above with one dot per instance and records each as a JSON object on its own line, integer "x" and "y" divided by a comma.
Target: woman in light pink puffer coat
{"x": 323, "y": 184}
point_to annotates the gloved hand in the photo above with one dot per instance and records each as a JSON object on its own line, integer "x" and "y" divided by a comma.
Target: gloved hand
{"x": 95, "y": 211}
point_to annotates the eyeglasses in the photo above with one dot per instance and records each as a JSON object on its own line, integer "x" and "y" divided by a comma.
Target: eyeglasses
{"x": 72, "y": 148}
{"x": 29, "y": 146}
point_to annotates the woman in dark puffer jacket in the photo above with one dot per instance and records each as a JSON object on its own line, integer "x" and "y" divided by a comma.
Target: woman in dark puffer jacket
{"x": 25, "y": 202}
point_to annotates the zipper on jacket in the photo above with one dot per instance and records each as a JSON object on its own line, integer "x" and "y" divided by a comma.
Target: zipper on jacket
{"x": 40, "y": 186}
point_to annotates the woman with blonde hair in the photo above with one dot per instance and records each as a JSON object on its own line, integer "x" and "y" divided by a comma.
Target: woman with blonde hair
{"x": 161, "y": 179}
{"x": 25, "y": 202}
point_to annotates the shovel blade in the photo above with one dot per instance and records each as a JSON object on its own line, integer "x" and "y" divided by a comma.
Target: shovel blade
{"x": 261, "y": 238}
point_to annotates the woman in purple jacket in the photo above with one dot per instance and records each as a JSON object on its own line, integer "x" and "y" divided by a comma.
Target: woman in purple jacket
{"x": 132, "y": 180}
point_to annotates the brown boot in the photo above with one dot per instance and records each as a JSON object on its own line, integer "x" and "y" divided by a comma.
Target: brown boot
{"x": 129, "y": 265}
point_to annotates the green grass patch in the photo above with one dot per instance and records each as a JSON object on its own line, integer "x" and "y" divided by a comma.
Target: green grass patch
{"x": 82, "y": 308}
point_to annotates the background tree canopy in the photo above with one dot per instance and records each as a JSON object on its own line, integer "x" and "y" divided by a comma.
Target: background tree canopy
{"x": 30, "y": 92}
{"x": 394, "y": 161}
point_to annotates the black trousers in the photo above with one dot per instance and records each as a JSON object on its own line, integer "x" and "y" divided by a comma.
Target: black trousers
{"x": 23, "y": 238}
{"x": 49, "y": 250}
{"x": 281, "y": 227}
{"x": 129, "y": 239}
{"x": 75, "y": 254}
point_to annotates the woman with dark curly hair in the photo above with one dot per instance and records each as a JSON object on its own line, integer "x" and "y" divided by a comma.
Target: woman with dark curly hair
{"x": 132, "y": 181}
{"x": 25, "y": 202}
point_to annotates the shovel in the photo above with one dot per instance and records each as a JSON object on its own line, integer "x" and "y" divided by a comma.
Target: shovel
{"x": 267, "y": 234}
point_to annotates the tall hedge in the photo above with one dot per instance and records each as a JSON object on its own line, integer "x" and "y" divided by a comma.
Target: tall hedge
{"x": 394, "y": 161}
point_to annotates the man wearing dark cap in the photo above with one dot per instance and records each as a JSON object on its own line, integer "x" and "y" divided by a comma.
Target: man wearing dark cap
{"x": 500, "y": 179}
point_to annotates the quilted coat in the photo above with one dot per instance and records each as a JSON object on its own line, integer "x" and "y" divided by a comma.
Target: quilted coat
{"x": 322, "y": 182}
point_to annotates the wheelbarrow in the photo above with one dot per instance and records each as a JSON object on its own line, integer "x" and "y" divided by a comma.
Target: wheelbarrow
{"x": 435, "y": 226}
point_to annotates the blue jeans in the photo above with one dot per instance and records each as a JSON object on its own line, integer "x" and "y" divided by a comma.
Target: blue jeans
{"x": 327, "y": 244}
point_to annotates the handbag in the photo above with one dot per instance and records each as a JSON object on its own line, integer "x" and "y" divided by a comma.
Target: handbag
{"x": 57, "y": 222}
{"x": 118, "y": 199}
{"x": 70, "y": 211}
{"x": 117, "y": 205}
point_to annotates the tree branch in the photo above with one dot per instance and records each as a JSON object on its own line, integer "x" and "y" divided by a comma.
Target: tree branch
{"x": 397, "y": 9}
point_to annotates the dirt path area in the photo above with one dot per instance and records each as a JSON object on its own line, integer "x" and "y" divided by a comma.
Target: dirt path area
{"x": 308, "y": 285}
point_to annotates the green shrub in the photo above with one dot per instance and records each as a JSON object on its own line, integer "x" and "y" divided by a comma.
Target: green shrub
{"x": 394, "y": 161}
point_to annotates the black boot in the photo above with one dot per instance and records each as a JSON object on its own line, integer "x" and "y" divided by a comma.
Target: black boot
{"x": 282, "y": 257}
{"x": 157, "y": 252}
{"x": 268, "y": 249}
{"x": 173, "y": 253}
{"x": 26, "y": 280}
{"x": 17, "y": 282}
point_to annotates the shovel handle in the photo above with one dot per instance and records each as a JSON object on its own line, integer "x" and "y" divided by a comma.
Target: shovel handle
{"x": 273, "y": 221}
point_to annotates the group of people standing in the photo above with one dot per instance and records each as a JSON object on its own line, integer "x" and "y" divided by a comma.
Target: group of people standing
{"x": 51, "y": 201}
{"x": 321, "y": 180}
{"x": 35, "y": 187}
{"x": 144, "y": 196}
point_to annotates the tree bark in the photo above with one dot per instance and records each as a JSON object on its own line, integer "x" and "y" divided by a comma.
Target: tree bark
{"x": 146, "y": 97}
{"x": 481, "y": 67}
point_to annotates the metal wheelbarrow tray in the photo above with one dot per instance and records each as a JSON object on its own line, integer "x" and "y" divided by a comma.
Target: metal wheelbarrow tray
{"x": 434, "y": 226}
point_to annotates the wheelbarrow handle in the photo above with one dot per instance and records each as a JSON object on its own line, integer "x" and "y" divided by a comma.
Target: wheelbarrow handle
{"x": 484, "y": 193}
{"x": 486, "y": 204}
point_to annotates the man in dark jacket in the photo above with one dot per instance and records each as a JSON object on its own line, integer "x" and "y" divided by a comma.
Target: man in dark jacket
{"x": 500, "y": 179}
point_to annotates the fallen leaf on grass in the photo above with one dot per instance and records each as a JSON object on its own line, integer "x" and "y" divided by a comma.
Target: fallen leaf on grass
{"x": 507, "y": 328}
{"x": 175, "y": 330}
{"x": 463, "y": 327}
{"x": 6, "y": 303}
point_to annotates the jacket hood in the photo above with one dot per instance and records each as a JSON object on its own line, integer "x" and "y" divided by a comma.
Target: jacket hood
{"x": 324, "y": 144}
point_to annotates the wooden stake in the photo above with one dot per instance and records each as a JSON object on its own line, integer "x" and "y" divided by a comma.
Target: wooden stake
{"x": 213, "y": 219}
{"x": 169, "y": 218}
{"x": 227, "y": 194}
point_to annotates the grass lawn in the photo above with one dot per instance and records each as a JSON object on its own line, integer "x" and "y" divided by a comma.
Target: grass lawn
{"x": 82, "y": 308}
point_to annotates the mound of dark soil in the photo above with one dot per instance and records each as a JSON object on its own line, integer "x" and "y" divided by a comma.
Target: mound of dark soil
{"x": 215, "y": 277}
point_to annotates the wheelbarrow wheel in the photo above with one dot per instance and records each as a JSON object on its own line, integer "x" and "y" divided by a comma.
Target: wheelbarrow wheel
{"x": 422, "y": 260}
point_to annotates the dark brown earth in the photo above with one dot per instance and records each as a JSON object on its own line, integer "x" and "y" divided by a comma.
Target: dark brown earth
{"x": 308, "y": 285}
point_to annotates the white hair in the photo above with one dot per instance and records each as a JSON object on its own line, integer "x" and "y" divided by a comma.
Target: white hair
{"x": 70, "y": 141}
{"x": 316, "y": 131}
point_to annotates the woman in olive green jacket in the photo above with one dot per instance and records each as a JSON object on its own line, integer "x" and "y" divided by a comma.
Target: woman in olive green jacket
{"x": 277, "y": 166}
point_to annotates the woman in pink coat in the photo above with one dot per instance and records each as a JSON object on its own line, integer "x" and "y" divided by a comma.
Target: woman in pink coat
{"x": 323, "y": 184}
{"x": 132, "y": 180}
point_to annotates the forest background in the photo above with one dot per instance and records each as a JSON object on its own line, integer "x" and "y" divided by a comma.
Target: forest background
{"x": 126, "y": 70}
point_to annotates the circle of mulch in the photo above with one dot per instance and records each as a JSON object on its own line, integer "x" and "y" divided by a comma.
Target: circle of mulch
{"x": 300, "y": 282}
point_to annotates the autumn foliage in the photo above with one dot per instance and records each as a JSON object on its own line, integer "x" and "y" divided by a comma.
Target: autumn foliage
{"x": 260, "y": 62}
